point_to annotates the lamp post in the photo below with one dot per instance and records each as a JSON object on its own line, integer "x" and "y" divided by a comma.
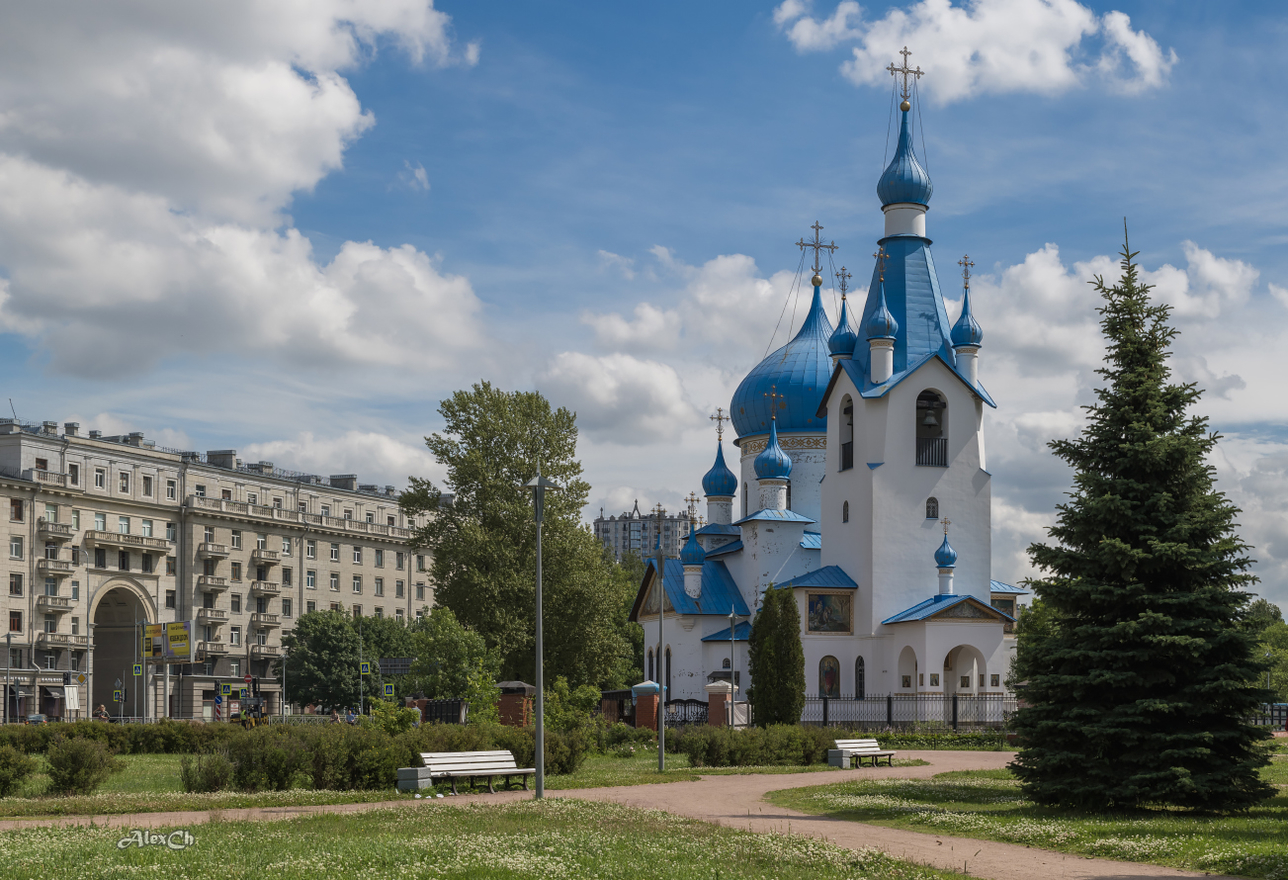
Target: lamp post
{"x": 733, "y": 688}
{"x": 8, "y": 672}
{"x": 538, "y": 486}
{"x": 659, "y": 580}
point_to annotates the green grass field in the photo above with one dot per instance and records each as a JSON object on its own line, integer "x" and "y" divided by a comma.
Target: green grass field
{"x": 547, "y": 840}
{"x": 987, "y": 804}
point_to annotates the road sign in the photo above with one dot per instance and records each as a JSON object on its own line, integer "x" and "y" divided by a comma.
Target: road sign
{"x": 389, "y": 691}
{"x": 218, "y": 699}
{"x": 117, "y": 697}
{"x": 365, "y": 667}
{"x": 138, "y": 669}
{"x": 80, "y": 679}
{"x": 244, "y": 693}
{"x": 225, "y": 689}
{"x": 247, "y": 678}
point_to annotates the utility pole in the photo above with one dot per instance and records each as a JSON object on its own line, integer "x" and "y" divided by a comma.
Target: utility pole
{"x": 659, "y": 581}
{"x": 538, "y": 486}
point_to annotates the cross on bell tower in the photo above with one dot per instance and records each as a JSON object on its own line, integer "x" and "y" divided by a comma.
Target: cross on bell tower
{"x": 817, "y": 245}
{"x": 905, "y": 71}
{"x": 881, "y": 257}
{"x": 720, "y": 418}
{"x": 844, "y": 278}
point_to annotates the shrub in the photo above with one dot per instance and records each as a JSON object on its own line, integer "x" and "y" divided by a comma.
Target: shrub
{"x": 15, "y": 767}
{"x": 776, "y": 745}
{"x": 79, "y": 765}
{"x": 266, "y": 758}
{"x": 205, "y": 773}
{"x": 608, "y": 737}
{"x": 390, "y": 717}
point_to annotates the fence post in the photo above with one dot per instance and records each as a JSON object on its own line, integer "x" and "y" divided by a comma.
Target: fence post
{"x": 889, "y": 710}
{"x": 825, "y": 711}
{"x": 954, "y": 713}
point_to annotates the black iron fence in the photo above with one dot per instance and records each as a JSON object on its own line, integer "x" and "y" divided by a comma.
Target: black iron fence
{"x": 444, "y": 711}
{"x": 680, "y": 712}
{"x": 1273, "y": 715}
{"x": 924, "y": 711}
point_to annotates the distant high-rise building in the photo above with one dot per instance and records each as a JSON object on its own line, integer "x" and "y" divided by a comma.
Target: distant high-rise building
{"x": 635, "y": 532}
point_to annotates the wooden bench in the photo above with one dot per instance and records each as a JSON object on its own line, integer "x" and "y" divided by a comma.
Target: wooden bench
{"x": 475, "y": 765}
{"x": 860, "y": 749}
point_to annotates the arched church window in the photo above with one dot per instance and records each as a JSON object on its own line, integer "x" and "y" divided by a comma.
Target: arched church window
{"x": 847, "y": 433}
{"x": 789, "y": 495}
{"x": 860, "y": 682}
{"x": 725, "y": 663}
{"x": 668, "y": 673}
{"x": 845, "y": 512}
{"x": 932, "y": 508}
{"x": 932, "y": 433}
{"x": 650, "y": 666}
{"x": 744, "y": 499}
{"x": 829, "y": 678}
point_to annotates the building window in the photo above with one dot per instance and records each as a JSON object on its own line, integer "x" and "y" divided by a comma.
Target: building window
{"x": 147, "y": 486}
{"x": 287, "y": 575}
{"x": 51, "y": 586}
{"x": 234, "y": 668}
{"x": 668, "y": 669}
{"x": 170, "y": 566}
{"x": 169, "y": 598}
{"x": 100, "y": 478}
{"x": 380, "y": 558}
{"x": 357, "y": 555}
{"x": 420, "y": 563}
{"x": 51, "y": 513}
{"x": 252, "y": 498}
{"x": 199, "y": 491}
{"x": 15, "y": 546}
{"x": 311, "y": 579}
{"x": 335, "y": 552}
{"x": 100, "y": 522}
{"x": 371, "y": 517}
{"x": 236, "y": 571}
{"x": 145, "y": 528}
{"x": 357, "y": 583}
{"x": 226, "y": 494}
{"x": 310, "y": 607}
{"x": 380, "y": 586}
{"x": 277, "y": 503}
{"x": 236, "y": 541}
{"x": 261, "y": 541}
{"x": 398, "y": 589}
{"x": 15, "y": 622}
{"x": 236, "y": 603}
{"x": 286, "y": 546}
{"x": 100, "y": 557}
{"x": 123, "y": 525}
{"x": 75, "y": 591}
{"x": 209, "y": 535}
{"x": 932, "y": 438}
{"x": 123, "y": 478}
{"x": 860, "y": 679}
{"x": 76, "y": 519}
{"x": 391, "y": 521}
{"x": 357, "y": 610}
{"x": 171, "y": 490}
{"x": 146, "y": 563}
{"x": 15, "y": 584}
{"x": 310, "y": 549}
{"x": 73, "y": 474}
{"x": 15, "y": 509}
{"x": 123, "y": 560}
{"x": 398, "y": 560}
{"x": 845, "y": 512}
{"x": 398, "y": 614}
{"x": 169, "y": 532}
{"x": 75, "y": 626}
{"x": 348, "y": 514}
{"x": 932, "y": 508}
{"x": 420, "y": 592}
{"x": 335, "y": 582}
{"x": 326, "y": 509}
{"x": 286, "y": 607}
{"x": 51, "y": 623}
{"x": 380, "y": 612}
{"x": 995, "y": 680}
{"x": 42, "y": 464}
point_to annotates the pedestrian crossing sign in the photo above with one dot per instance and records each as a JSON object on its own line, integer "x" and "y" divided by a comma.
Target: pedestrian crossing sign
{"x": 116, "y": 697}
{"x": 389, "y": 691}
{"x": 225, "y": 690}
{"x": 138, "y": 669}
{"x": 365, "y": 667}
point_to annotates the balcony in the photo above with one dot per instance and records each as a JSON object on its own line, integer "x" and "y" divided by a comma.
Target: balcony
{"x": 52, "y": 531}
{"x": 264, "y": 651}
{"x": 49, "y": 640}
{"x": 210, "y": 583}
{"x": 241, "y": 509}
{"x": 211, "y": 550}
{"x": 265, "y": 557}
{"x": 53, "y": 567}
{"x": 932, "y": 452}
{"x": 135, "y": 542}
{"x": 263, "y": 619}
{"x": 265, "y": 588}
{"x": 53, "y": 604}
{"x": 211, "y": 615}
{"x": 51, "y": 479}
{"x": 212, "y": 649}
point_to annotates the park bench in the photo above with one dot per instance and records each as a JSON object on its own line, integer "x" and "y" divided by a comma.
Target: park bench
{"x": 464, "y": 765}
{"x": 860, "y": 749}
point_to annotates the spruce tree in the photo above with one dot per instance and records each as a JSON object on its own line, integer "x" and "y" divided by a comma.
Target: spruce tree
{"x": 1140, "y": 688}
{"x": 762, "y": 662}
{"x": 791, "y": 659}
{"x": 777, "y": 660}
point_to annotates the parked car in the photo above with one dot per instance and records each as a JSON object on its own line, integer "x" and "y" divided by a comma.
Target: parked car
{"x": 37, "y": 719}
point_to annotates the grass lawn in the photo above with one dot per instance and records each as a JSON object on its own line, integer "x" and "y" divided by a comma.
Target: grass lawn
{"x": 987, "y": 804}
{"x": 150, "y": 783}
{"x": 547, "y": 840}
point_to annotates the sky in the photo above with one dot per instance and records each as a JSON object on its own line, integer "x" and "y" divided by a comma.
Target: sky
{"x": 291, "y": 228}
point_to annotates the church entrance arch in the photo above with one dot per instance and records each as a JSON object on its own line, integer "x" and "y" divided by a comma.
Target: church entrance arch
{"x": 965, "y": 668}
{"x": 121, "y": 606}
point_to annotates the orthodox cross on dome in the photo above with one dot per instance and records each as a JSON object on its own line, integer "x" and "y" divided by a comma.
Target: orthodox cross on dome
{"x": 817, "y": 245}
{"x": 966, "y": 264}
{"x": 881, "y": 257}
{"x": 945, "y": 522}
{"x": 693, "y": 505}
{"x": 845, "y": 277}
{"x": 658, "y": 513}
{"x": 905, "y": 71}
{"x": 720, "y": 418}
{"x": 773, "y": 395}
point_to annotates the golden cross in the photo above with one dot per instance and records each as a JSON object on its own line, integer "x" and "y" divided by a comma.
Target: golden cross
{"x": 773, "y": 395}
{"x": 946, "y": 522}
{"x": 720, "y": 418}
{"x": 659, "y": 511}
{"x": 816, "y": 244}
{"x": 845, "y": 277}
{"x": 966, "y": 264}
{"x": 905, "y": 71}
{"x": 693, "y": 505}
{"x": 881, "y": 257}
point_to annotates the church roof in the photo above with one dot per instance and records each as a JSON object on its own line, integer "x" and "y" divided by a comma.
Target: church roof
{"x": 904, "y": 180}
{"x": 719, "y": 481}
{"x": 831, "y": 577}
{"x": 772, "y": 463}
{"x": 720, "y": 529}
{"x": 812, "y": 541}
{"x": 719, "y": 592}
{"x": 725, "y": 550}
{"x": 860, "y": 376}
{"x": 967, "y": 330}
{"x": 769, "y": 515}
{"x": 937, "y": 605}
{"x": 741, "y": 633}
{"x": 999, "y": 587}
{"x": 798, "y": 371}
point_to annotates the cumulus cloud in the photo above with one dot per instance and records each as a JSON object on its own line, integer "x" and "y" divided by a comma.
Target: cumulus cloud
{"x": 414, "y": 177}
{"x": 618, "y": 397}
{"x": 624, "y": 265}
{"x": 1043, "y": 46}
{"x": 376, "y": 458}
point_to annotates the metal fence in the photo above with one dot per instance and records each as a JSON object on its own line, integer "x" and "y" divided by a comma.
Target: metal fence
{"x": 1273, "y": 715}
{"x": 680, "y": 712}
{"x": 925, "y": 711}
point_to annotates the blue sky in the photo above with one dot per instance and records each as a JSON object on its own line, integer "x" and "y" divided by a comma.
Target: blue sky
{"x": 291, "y": 228}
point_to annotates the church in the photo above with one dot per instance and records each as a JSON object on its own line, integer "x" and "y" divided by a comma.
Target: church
{"x": 862, "y": 485}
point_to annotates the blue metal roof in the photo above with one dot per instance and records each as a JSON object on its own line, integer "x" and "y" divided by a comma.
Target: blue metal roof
{"x": 831, "y": 577}
{"x": 999, "y": 587}
{"x": 904, "y": 180}
{"x": 860, "y": 377}
{"x": 731, "y": 547}
{"x": 692, "y": 552}
{"x": 911, "y": 292}
{"x": 936, "y": 604}
{"x": 812, "y": 541}
{"x": 719, "y": 481}
{"x": 773, "y": 463}
{"x": 967, "y": 330}
{"x": 741, "y": 633}
{"x": 842, "y": 341}
{"x": 882, "y": 324}
{"x": 946, "y": 556}
{"x": 799, "y": 371}
{"x": 720, "y": 529}
{"x": 767, "y": 515}
{"x": 719, "y": 592}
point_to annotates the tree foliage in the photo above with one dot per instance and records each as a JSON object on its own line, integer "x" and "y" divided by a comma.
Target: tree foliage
{"x": 1140, "y": 687}
{"x": 484, "y": 540}
{"x": 776, "y": 660}
{"x": 322, "y": 660}
{"x": 454, "y": 662}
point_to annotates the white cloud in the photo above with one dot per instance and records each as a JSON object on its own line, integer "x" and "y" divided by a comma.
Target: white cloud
{"x": 414, "y": 177}
{"x": 624, "y": 265}
{"x": 376, "y": 458}
{"x": 1208, "y": 286}
{"x": 618, "y": 397}
{"x": 986, "y": 45}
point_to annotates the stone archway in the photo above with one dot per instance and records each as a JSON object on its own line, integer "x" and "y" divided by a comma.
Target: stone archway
{"x": 963, "y": 666}
{"x": 121, "y": 606}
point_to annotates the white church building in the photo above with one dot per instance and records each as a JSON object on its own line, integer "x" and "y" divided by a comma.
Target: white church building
{"x": 862, "y": 485}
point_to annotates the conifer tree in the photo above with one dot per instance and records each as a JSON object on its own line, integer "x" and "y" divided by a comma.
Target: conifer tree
{"x": 777, "y": 660}
{"x": 1140, "y": 688}
{"x": 791, "y": 659}
{"x": 762, "y": 664}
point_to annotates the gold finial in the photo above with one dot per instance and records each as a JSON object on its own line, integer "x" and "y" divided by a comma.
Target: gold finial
{"x": 773, "y": 396}
{"x": 720, "y": 418}
{"x": 881, "y": 257}
{"x": 967, "y": 265}
{"x": 946, "y": 522}
{"x": 845, "y": 277}
{"x": 817, "y": 245}
{"x": 905, "y": 71}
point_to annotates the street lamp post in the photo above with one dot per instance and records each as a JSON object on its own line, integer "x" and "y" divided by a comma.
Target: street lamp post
{"x": 538, "y": 486}
{"x": 659, "y": 581}
{"x": 8, "y": 672}
{"x": 733, "y": 688}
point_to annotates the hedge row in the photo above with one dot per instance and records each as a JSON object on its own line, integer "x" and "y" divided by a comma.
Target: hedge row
{"x": 796, "y": 745}
{"x": 165, "y": 736}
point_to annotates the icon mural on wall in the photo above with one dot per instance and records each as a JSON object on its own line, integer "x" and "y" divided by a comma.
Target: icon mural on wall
{"x": 829, "y": 678}
{"x": 830, "y": 612}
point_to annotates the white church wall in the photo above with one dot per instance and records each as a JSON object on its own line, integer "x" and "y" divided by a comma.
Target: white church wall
{"x": 808, "y": 453}
{"x": 772, "y": 553}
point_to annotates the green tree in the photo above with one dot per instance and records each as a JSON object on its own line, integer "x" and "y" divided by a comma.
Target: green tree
{"x": 1140, "y": 690}
{"x": 453, "y": 661}
{"x": 1274, "y": 648}
{"x": 484, "y": 539}
{"x": 1263, "y": 613}
{"x": 776, "y": 660}
{"x": 322, "y": 660}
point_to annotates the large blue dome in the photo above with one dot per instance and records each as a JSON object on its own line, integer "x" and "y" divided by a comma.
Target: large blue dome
{"x": 799, "y": 371}
{"x": 719, "y": 481}
{"x": 904, "y": 179}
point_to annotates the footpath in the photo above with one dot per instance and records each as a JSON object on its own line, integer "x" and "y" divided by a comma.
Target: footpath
{"x": 736, "y": 801}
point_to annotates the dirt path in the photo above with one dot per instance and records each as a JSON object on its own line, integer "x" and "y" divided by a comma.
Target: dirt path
{"x": 738, "y": 802}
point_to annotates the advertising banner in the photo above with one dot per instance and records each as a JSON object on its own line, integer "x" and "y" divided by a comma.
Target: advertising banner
{"x": 153, "y": 641}
{"x": 178, "y": 642}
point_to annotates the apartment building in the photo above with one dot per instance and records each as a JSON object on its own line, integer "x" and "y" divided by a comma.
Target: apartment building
{"x": 636, "y": 533}
{"x": 108, "y": 534}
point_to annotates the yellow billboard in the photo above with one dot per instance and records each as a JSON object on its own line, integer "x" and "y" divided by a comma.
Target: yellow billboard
{"x": 153, "y": 641}
{"x": 178, "y": 642}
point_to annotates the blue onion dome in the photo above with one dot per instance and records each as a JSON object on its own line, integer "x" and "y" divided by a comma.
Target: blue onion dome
{"x": 773, "y": 463}
{"x": 841, "y": 343}
{"x": 945, "y": 556}
{"x": 882, "y": 324}
{"x": 904, "y": 180}
{"x": 719, "y": 481}
{"x": 692, "y": 552}
{"x": 799, "y": 372}
{"x": 967, "y": 330}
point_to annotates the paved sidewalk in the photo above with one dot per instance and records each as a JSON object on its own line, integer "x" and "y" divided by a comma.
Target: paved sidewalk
{"x": 737, "y": 801}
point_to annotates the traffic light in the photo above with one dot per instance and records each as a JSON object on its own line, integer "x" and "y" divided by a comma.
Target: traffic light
{"x": 254, "y": 683}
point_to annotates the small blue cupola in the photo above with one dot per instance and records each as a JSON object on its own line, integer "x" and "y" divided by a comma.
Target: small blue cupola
{"x": 843, "y": 339}
{"x": 882, "y": 324}
{"x": 720, "y": 482}
{"x": 692, "y": 553}
{"x": 946, "y": 556}
{"x": 904, "y": 180}
{"x": 967, "y": 332}
{"x": 773, "y": 463}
